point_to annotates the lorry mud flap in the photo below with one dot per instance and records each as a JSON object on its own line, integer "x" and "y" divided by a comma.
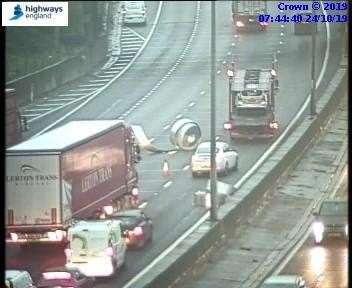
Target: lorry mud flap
{"x": 144, "y": 142}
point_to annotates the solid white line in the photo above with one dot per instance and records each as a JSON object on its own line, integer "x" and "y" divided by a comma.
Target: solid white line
{"x": 172, "y": 152}
{"x": 61, "y": 99}
{"x": 179, "y": 116}
{"x": 71, "y": 94}
{"x": 78, "y": 90}
{"x": 39, "y": 109}
{"x": 97, "y": 80}
{"x": 31, "y": 115}
{"x": 166, "y": 127}
{"x": 137, "y": 34}
{"x": 186, "y": 167}
{"x": 47, "y": 104}
{"x": 91, "y": 85}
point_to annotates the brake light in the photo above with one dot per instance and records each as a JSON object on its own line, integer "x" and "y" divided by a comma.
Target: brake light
{"x": 10, "y": 217}
{"x": 138, "y": 231}
{"x": 53, "y": 216}
{"x": 109, "y": 252}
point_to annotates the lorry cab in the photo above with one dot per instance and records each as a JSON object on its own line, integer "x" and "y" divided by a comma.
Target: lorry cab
{"x": 18, "y": 279}
{"x": 134, "y": 12}
{"x": 96, "y": 248}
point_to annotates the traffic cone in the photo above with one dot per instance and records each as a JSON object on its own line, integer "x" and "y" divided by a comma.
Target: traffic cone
{"x": 166, "y": 169}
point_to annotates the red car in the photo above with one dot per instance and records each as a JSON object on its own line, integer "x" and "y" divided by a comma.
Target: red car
{"x": 64, "y": 278}
{"x": 137, "y": 228}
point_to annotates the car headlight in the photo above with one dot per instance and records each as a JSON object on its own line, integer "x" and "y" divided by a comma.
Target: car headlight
{"x": 318, "y": 228}
{"x": 346, "y": 229}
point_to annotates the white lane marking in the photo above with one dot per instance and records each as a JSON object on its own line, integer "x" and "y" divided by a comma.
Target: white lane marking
{"x": 202, "y": 92}
{"x": 217, "y": 138}
{"x": 135, "y": 33}
{"x": 186, "y": 167}
{"x": 81, "y": 90}
{"x": 91, "y": 85}
{"x": 31, "y": 115}
{"x": 61, "y": 99}
{"x": 47, "y": 104}
{"x": 179, "y": 116}
{"x": 71, "y": 94}
{"x": 96, "y": 93}
{"x": 97, "y": 80}
{"x": 191, "y": 104}
{"x": 151, "y": 140}
{"x": 166, "y": 127}
{"x": 172, "y": 152}
{"x": 143, "y": 205}
{"x": 167, "y": 184}
{"x": 293, "y": 121}
{"x": 37, "y": 110}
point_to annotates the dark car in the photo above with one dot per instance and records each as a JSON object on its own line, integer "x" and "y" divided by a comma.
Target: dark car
{"x": 137, "y": 228}
{"x": 62, "y": 277}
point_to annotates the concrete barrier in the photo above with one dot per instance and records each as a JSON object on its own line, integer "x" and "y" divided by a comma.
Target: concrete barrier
{"x": 239, "y": 206}
{"x": 38, "y": 83}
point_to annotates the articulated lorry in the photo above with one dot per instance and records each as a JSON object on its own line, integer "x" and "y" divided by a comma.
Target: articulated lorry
{"x": 70, "y": 173}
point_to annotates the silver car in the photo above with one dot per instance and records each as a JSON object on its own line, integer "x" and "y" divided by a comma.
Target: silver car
{"x": 226, "y": 158}
{"x": 284, "y": 281}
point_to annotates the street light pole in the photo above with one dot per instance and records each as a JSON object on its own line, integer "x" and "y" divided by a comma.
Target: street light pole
{"x": 230, "y": 74}
{"x": 312, "y": 94}
{"x": 213, "y": 186}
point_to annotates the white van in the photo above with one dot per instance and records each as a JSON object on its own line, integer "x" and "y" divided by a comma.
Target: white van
{"x": 134, "y": 12}
{"x": 18, "y": 279}
{"x": 96, "y": 248}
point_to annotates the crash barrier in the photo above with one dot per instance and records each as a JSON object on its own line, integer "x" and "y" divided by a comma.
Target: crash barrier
{"x": 242, "y": 204}
{"x": 37, "y": 84}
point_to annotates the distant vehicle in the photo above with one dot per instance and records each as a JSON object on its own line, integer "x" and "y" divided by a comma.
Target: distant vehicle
{"x": 226, "y": 159}
{"x": 302, "y": 27}
{"x": 13, "y": 119}
{"x": 284, "y": 281}
{"x": 252, "y": 104}
{"x": 64, "y": 278}
{"x": 331, "y": 219}
{"x": 137, "y": 228}
{"x": 245, "y": 15}
{"x": 75, "y": 171}
{"x": 96, "y": 248}
{"x": 134, "y": 12}
{"x": 18, "y": 279}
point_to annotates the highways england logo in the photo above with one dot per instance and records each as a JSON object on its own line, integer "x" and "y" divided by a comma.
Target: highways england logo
{"x": 17, "y": 12}
{"x": 35, "y": 14}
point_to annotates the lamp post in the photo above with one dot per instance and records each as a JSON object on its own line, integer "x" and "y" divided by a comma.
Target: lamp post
{"x": 313, "y": 86}
{"x": 213, "y": 186}
{"x": 230, "y": 74}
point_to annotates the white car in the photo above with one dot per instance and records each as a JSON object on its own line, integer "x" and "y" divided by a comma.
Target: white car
{"x": 226, "y": 158}
{"x": 18, "y": 279}
{"x": 134, "y": 12}
{"x": 284, "y": 281}
{"x": 96, "y": 248}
